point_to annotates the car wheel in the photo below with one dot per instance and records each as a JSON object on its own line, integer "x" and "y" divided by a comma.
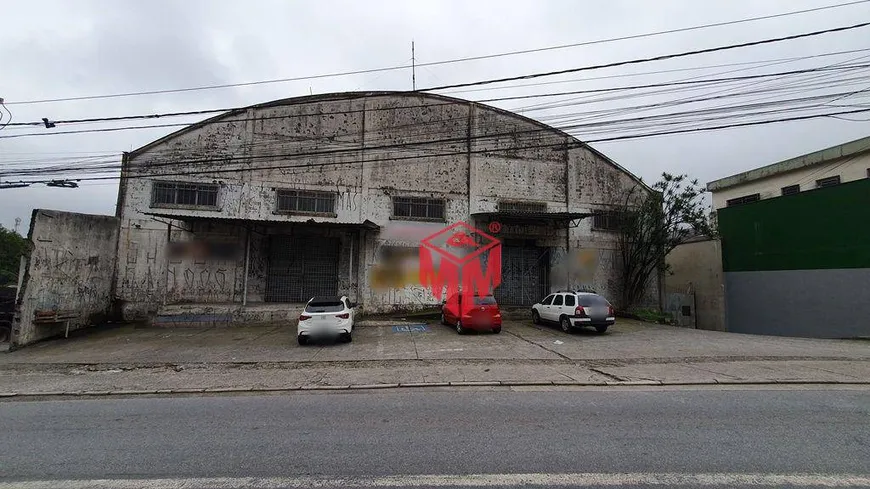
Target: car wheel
{"x": 496, "y": 330}
{"x": 346, "y": 337}
{"x": 536, "y": 318}
{"x": 302, "y": 340}
{"x": 444, "y": 320}
{"x": 601, "y": 329}
{"x": 459, "y": 328}
{"x": 565, "y": 323}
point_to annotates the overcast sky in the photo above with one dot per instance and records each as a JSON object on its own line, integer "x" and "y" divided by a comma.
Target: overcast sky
{"x": 52, "y": 49}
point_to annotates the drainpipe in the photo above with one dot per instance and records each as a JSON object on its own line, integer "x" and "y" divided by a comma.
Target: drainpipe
{"x": 350, "y": 276}
{"x": 247, "y": 265}
{"x": 567, "y": 263}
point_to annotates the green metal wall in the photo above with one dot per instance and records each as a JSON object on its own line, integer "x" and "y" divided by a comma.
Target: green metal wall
{"x": 818, "y": 229}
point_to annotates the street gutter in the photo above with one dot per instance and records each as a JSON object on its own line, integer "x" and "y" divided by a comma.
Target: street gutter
{"x": 420, "y": 385}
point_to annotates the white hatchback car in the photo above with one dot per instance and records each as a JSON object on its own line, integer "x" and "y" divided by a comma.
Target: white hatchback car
{"x": 326, "y": 316}
{"x": 574, "y": 310}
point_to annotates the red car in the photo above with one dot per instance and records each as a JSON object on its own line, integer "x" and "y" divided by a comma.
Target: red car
{"x": 484, "y": 316}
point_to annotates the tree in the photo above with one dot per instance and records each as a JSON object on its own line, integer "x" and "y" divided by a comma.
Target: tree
{"x": 12, "y": 247}
{"x": 652, "y": 224}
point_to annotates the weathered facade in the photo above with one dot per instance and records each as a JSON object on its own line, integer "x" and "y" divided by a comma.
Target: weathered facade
{"x": 281, "y": 201}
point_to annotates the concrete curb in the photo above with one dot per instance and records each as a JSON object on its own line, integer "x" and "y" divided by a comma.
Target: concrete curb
{"x": 494, "y": 383}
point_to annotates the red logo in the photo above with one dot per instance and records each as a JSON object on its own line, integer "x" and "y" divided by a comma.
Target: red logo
{"x": 458, "y": 252}
{"x": 461, "y": 239}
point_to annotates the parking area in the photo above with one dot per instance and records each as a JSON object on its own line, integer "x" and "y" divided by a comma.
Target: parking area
{"x": 385, "y": 340}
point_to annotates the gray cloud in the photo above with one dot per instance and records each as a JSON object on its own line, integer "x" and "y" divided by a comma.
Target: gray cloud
{"x": 56, "y": 48}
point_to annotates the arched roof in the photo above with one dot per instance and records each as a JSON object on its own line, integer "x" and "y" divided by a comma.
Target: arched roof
{"x": 327, "y": 97}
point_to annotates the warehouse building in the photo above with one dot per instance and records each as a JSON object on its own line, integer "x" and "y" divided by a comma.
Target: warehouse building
{"x": 244, "y": 216}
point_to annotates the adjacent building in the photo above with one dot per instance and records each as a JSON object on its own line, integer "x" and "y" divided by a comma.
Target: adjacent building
{"x": 796, "y": 245}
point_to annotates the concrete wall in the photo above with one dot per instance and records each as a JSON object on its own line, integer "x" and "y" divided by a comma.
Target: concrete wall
{"x": 828, "y": 303}
{"x": 696, "y": 267}
{"x": 470, "y": 155}
{"x": 69, "y": 272}
{"x": 849, "y": 169}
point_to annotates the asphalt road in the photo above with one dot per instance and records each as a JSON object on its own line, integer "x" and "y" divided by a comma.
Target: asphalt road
{"x": 389, "y": 438}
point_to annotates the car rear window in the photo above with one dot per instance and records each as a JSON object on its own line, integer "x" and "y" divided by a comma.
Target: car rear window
{"x": 592, "y": 300}
{"x": 485, "y": 301}
{"x": 325, "y": 306}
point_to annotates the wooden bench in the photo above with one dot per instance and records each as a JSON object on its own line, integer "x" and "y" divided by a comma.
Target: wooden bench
{"x": 55, "y": 316}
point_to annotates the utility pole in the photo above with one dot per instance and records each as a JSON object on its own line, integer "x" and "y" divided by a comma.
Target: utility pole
{"x": 413, "y": 68}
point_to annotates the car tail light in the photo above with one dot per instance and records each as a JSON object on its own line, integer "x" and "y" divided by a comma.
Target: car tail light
{"x": 304, "y": 317}
{"x": 580, "y": 311}
{"x": 343, "y": 316}
{"x": 610, "y": 311}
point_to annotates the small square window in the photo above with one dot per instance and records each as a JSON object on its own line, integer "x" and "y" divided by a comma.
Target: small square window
{"x": 791, "y": 190}
{"x": 606, "y": 221}
{"x": 828, "y": 181}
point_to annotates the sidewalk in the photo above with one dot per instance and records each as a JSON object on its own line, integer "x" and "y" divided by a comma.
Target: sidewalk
{"x": 128, "y": 360}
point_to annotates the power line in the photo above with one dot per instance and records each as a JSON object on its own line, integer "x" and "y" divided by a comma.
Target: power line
{"x": 3, "y": 105}
{"x": 690, "y": 100}
{"x": 677, "y": 83}
{"x": 726, "y": 126}
{"x": 437, "y": 63}
{"x": 488, "y": 150}
{"x": 654, "y": 58}
{"x": 559, "y": 142}
{"x": 763, "y": 62}
{"x": 650, "y": 34}
{"x": 609, "y": 124}
{"x": 305, "y": 100}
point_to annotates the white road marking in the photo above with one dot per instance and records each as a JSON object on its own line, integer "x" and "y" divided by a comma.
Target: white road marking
{"x": 478, "y": 480}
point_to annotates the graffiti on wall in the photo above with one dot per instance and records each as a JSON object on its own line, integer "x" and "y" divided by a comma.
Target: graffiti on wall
{"x": 196, "y": 282}
{"x": 70, "y": 281}
{"x": 347, "y": 201}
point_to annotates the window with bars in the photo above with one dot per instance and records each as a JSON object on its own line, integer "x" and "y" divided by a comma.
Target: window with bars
{"x": 522, "y": 207}
{"x": 743, "y": 200}
{"x": 418, "y": 208}
{"x": 305, "y": 201}
{"x": 828, "y": 181}
{"x": 606, "y": 221}
{"x": 791, "y": 189}
{"x": 169, "y": 194}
